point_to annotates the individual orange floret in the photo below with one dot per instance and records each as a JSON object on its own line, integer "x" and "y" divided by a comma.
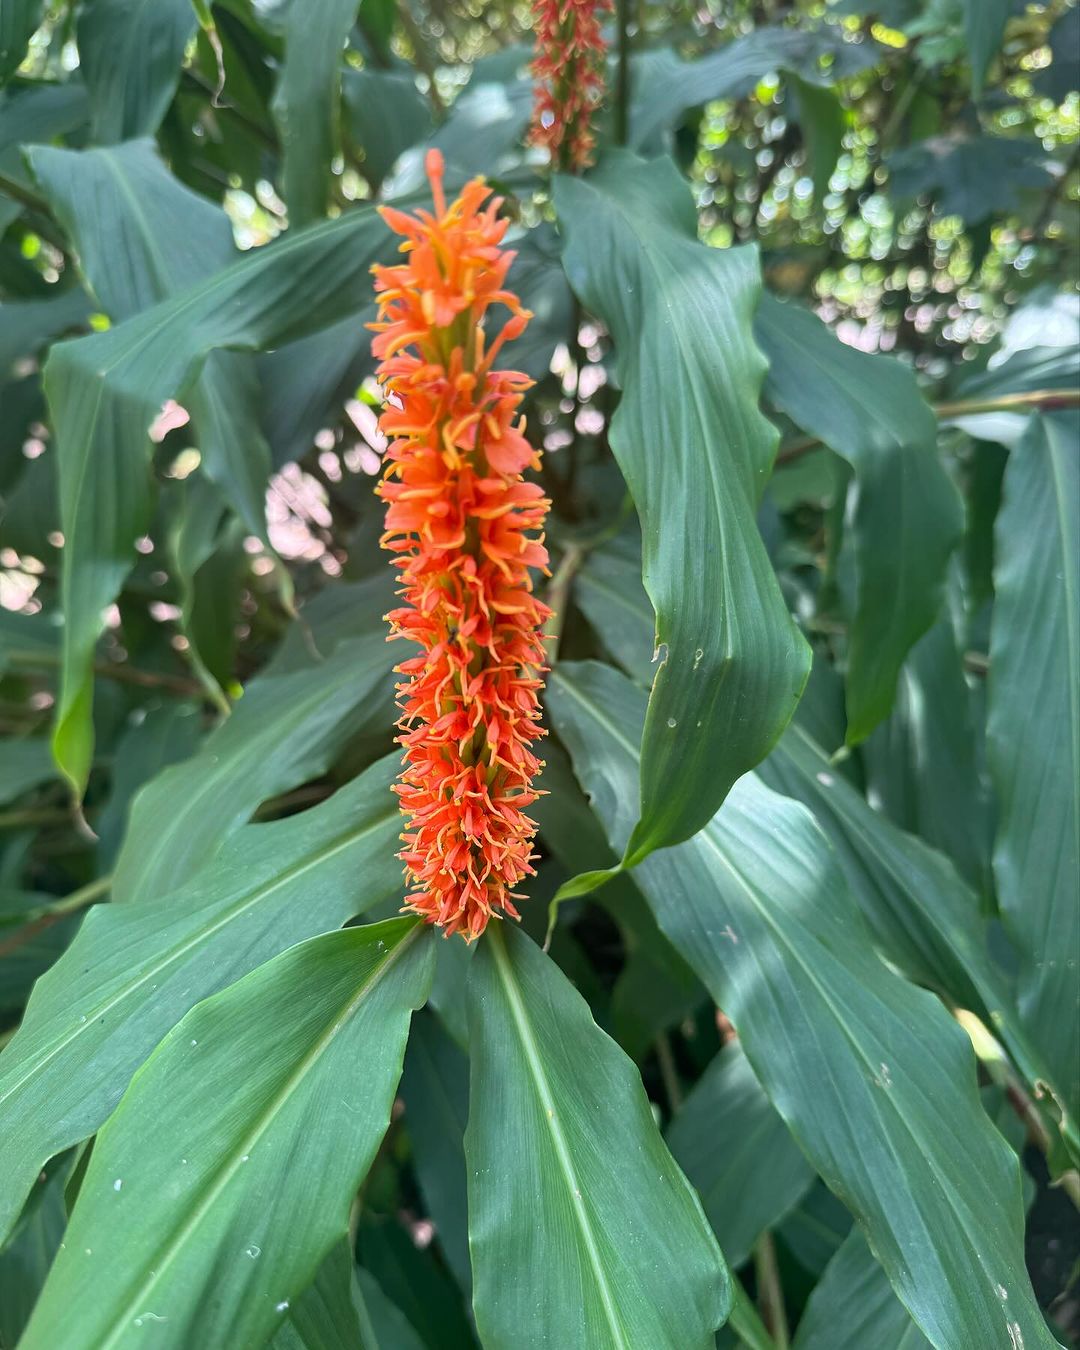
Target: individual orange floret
{"x": 569, "y": 72}
{"x": 465, "y": 528}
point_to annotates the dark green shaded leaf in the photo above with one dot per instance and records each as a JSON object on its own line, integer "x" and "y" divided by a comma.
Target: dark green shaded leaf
{"x": 386, "y": 115}
{"x": 874, "y": 1079}
{"x": 212, "y": 1194}
{"x": 28, "y": 325}
{"x": 306, "y": 101}
{"x": 135, "y": 970}
{"x": 285, "y": 730}
{"x": 906, "y": 514}
{"x": 618, "y": 1257}
{"x": 822, "y": 121}
{"x": 105, "y": 391}
{"x": 973, "y": 177}
{"x": 130, "y": 55}
{"x": 737, "y": 1154}
{"x": 19, "y": 20}
{"x": 25, "y": 1260}
{"x": 733, "y": 663}
{"x": 984, "y": 27}
{"x": 435, "y": 1089}
{"x": 24, "y": 764}
{"x": 854, "y": 1307}
{"x": 1033, "y": 734}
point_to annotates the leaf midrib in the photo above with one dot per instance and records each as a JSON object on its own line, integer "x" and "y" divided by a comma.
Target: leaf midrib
{"x": 558, "y": 1139}
{"x": 251, "y": 899}
{"x": 221, "y": 1177}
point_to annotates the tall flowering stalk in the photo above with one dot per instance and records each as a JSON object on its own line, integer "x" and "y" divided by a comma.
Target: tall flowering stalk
{"x": 463, "y": 524}
{"x": 569, "y": 70}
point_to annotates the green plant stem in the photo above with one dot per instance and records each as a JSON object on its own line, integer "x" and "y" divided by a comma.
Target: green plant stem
{"x": 770, "y": 1293}
{"x": 85, "y": 895}
{"x": 1047, "y": 399}
{"x": 622, "y": 75}
{"x": 557, "y": 597}
{"x": 746, "y": 1323}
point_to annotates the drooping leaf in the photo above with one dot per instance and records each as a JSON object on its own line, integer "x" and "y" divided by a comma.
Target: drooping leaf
{"x": 611, "y": 1256}
{"x": 207, "y": 1180}
{"x": 106, "y": 390}
{"x": 854, "y": 1307}
{"x": 1033, "y": 733}
{"x": 130, "y": 55}
{"x": 872, "y": 1077}
{"x": 307, "y": 100}
{"x": 142, "y": 237}
{"x": 733, "y": 663}
{"x": 135, "y": 970}
{"x": 822, "y": 121}
{"x": 285, "y": 730}
{"x": 906, "y": 514}
{"x": 737, "y": 1153}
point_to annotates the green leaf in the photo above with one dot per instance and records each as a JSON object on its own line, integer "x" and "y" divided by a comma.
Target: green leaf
{"x": 386, "y": 115}
{"x": 732, "y": 662}
{"x": 285, "y": 730}
{"x": 19, "y": 20}
{"x": 665, "y": 87}
{"x": 239, "y": 1148}
{"x": 24, "y": 764}
{"x": 874, "y": 1079}
{"x": 26, "y": 1258}
{"x": 906, "y": 514}
{"x": 854, "y": 1307}
{"x": 609, "y": 592}
{"x": 28, "y": 325}
{"x": 105, "y": 391}
{"x": 822, "y": 120}
{"x": 1033, "y": 733}
{"x": 435, "y": 1089}
{"x": 306, "y": 101}
{"x": 344, "y": 1309}
{"x": 550, "y": 1097}
{"x": 984, "y": 28}
{"x": 130, "y": 56}
{"x": 142, "y": 237}
{"x": 971, "y": 176}
{"x": 135, "y": 970}
{"x": 737, "y": 1154}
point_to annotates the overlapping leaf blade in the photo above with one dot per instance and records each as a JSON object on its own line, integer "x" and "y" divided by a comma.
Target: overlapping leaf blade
{"x": 871, "y": 1075}
{"x": 615, "y": 1257}
{"x": 196, "y": 1182}
{"x": 1034, "y": 734}
{"x": 906, "y": 514}
{"x": 695, "y": 452}
{"x": 134, "y": 970}
{"x": 105, "y": 390}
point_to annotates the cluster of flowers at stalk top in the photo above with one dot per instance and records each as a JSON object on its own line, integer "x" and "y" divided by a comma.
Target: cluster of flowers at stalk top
{"x": 464, "y": 526}
{"x": 569, "y": 70}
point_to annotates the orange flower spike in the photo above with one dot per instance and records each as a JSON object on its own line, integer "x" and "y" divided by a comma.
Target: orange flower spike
{"x": 569, "y": 71}
{"x": 464, "y": 528}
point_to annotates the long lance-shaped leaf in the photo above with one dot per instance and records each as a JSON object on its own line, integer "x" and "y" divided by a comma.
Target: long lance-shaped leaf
{"x": 18, "y": 20}
{"x": 695, "y": 452}
{"x": 134, "y": 970}
{"x": 874, "y": 1079}
{"x": 610, "y": 1256}
{"x": 1033, "y": 733}
{"x": 141, "y": 237}
{"x": 906, "y": 514}
{"x": 307, "y": 100}
{"x": 286, "y": 729}
{"x": 104, "y": 392}
{"x": 227, "y": 1172}
{"x": 131, "y": 55}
